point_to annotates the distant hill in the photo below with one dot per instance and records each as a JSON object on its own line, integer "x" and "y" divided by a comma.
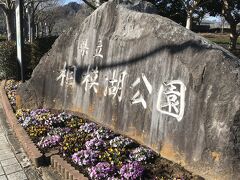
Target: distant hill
{"x": 67, "y": 16}
{"x": 70, "y": 9}
{"x": 74, "y": 6}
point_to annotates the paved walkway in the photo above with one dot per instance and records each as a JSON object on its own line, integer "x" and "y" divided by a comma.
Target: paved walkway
{"x": 10, "y": 168}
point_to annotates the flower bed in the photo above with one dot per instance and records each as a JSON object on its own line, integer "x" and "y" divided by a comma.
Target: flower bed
{"x": 95, "y": 151}
{"x": 10, "y": 88}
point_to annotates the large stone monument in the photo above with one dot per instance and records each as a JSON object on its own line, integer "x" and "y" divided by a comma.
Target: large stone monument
{"x": 151, "y": 79}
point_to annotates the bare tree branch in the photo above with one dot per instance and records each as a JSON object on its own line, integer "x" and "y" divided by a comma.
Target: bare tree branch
{"x": 35, "y": 9}
{"x": 3, "y": 7}
{"x": 195, "y": 4}
{"x": 2, "y": 2}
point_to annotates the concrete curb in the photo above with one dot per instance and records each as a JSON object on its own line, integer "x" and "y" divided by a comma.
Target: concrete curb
{"x": 38, "y": 159}
{"x": 29, "y": 147}
{"x": 65, "y": 169}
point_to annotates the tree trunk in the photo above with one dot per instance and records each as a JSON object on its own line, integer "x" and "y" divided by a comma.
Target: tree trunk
{"x": 41, "y": 29}
{"x": 29, "y": 26}
{"x": 223, "y": 23}
{"x": 46, "y": 29}
{"x": 32, "y": 23}
{"x": 9, "y": 15}
{"x": 36, "y": 31}
{"x": 32, "y": 28}
{"x": 25, "y": 29}
{"x": 233, "y": 36}
{"x": 50, "y": 28}
{"x": 189, "y": 20}
{"x": 32, "y": 32}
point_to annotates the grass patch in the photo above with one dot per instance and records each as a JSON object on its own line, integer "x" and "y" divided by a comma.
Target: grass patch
{"x": 219, "y": 38}
{"x": 222, "y": 40}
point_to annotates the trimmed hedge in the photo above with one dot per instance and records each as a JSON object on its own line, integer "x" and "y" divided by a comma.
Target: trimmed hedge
{"x": 8, "y": 63}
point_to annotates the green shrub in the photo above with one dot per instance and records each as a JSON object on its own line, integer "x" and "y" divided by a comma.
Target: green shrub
{"x": 32, "y": 54}
{"x": 39, "y": 47}
{"x": 8, "y": 63}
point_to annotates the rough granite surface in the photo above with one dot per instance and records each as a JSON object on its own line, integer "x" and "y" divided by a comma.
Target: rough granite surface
{"x": 205, "y": 140}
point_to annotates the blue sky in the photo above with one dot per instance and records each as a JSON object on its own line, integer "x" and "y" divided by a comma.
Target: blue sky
{"x": 67, "y": 1}
{"x": 211, "y": 18}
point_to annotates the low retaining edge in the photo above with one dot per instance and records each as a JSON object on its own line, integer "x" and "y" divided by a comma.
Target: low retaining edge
{"x": 65, "y": 169}
{"x": 29, "y": 147}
